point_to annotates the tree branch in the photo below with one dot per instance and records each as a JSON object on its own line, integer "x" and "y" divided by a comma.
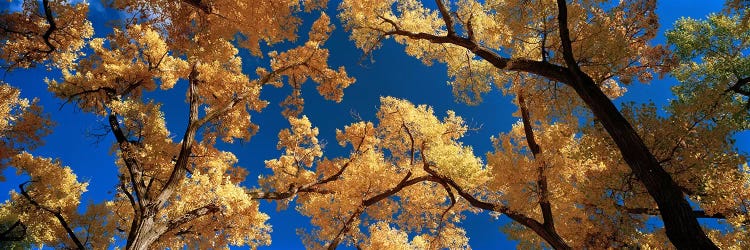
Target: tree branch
{"x": 192, "y": 215}
{"x": 310, "y": 187}
{"x": 180, "y": 166}
{"x": 405, "y": 182}
{"x": 536, "y": 151}
{"x": 336, "y": 175}
{"x": 737, "y": 86}
{"x": 446, "y": 17}
{"x": 57, "y": 215}
{"x": 130, "y": 198}
{"x": 411, "y": 139}
{"x": 550, "y": 236}
{"x": 541, "y": 68}
{"x": 134, "y": 170}
{"x": 260, "y": 195}
{"x": 562, "y": 20}
{"x": 682, "y": 228}
{"x": 6, "y": 235}
{"x": 52, "y": 26}
{"x": 344, "y": 229}
{"x": 655, "y": 212}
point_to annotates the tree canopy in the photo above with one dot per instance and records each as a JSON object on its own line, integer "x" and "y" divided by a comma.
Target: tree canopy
{"x": 173, "y": 88}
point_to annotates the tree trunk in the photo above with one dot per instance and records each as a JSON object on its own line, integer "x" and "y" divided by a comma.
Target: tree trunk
{"x": 144, "y": 236}
{"x": 144, "y": 233}
{"x": 681, "y": 225}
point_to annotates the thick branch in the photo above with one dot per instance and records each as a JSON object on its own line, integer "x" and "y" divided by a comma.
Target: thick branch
{"x": 7, "y": 235}
{"x": 655, "y": 212}
{"x": 180, "y": 167}
{"x": 562, "y": 20}
{"x": 192, "y": 215}
{"x": 446, "y": 17}
{"x": 682, "y": 227}
{"x": 201, "y": 5}
{"x": 134, "y": 170}
{"x": 545, "y": 69}
{"x": 737, "y": 87}
{"x": 536, "y": 151}
{"x": 344, "y": 229}
{"x": 55, "y": 213}
{"x": 52, "y": 26}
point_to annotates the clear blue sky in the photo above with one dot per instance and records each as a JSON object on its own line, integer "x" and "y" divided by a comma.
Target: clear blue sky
{"x": 392, "y": 74}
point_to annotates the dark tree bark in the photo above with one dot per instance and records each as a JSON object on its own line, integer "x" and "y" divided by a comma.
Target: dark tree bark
{"x": 680, "y": 222}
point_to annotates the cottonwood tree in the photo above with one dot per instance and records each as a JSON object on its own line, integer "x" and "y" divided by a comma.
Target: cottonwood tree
{"x": 407, "y": 179}
{"x": 591, "y": 47}
{"x": 50, "y": 33}
{"x": 22, "y": 125}
{"x": 170, "y": 194}
{"x": 404, "y": 174}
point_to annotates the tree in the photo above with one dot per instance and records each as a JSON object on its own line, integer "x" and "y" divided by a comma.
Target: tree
{"x": 566, "y": 177}
{"x": 171, "y": 193}
{"x": 588, "y": 46}
{"x": 22, "y": 125}
{"x": 407, "y": 170}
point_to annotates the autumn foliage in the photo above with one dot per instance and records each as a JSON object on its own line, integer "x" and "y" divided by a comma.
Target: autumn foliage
{"x": 574, "y": 172}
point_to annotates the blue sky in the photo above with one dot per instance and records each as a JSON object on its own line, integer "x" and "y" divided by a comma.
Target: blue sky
{"x": 392, "y": 74}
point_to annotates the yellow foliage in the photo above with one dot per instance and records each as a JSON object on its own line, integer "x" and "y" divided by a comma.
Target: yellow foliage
{"x": 29, "y": 37}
